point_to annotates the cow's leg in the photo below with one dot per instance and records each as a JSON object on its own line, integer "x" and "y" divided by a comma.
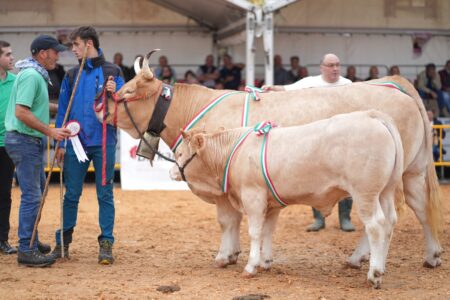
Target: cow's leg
{"x": 415, "y": 194}
{"x": 267, "y": 233}
{"x": 361, "y": 253}
{"x": 255, "y": 205}
{"x": 230, "y": 221}
{"x": 371, "y": 214}
{"x": 388, "y": 207}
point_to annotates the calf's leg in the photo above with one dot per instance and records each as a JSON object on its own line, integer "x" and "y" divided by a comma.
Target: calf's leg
{"x": 267, "y": 233}
{"x": 230, "y": 221}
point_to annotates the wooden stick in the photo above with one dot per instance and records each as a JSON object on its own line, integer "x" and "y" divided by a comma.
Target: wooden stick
{"x": 49, "y": 175}
{"x": 61, "y": 199}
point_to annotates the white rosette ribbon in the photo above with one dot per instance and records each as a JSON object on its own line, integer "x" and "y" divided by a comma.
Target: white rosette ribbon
{"x": 75, "y": 129}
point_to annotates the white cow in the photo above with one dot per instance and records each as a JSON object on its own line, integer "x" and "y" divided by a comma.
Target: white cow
{"x": 316, "y": 164}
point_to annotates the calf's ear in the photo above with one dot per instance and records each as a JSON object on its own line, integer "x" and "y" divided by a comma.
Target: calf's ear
{"x": 198, "y": 142}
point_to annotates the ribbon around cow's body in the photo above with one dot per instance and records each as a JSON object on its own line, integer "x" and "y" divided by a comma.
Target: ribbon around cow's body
{"x": 75, "y": 129}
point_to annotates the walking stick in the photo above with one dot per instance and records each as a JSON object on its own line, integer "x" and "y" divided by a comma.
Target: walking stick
{"x": 61, "y": 200}
{"x": 44, "y": 194}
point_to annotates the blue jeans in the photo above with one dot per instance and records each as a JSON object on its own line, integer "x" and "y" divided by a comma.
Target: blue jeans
{"x": 26, "y": 153}
{"x": 74, "y": 173}
{"x": 442, "y": 100}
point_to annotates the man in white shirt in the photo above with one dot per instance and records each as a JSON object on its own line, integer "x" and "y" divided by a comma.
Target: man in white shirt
{"x": 330, "y": 75}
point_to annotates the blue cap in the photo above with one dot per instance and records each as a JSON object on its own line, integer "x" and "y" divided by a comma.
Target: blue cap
{"x": 45, "y": 42}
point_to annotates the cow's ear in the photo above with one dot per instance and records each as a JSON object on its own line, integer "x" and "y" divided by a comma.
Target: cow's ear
{"x": 198, "y": 142}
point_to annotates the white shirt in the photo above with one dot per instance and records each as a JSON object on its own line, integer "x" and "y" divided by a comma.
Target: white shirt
{"x": 315, "y": 81}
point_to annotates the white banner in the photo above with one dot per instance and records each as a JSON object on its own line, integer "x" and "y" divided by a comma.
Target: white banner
{"x": 136, "y": 173}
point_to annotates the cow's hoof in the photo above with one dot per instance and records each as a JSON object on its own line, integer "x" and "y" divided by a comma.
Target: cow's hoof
{"x": 247, "y": 275}
{"x": 221, "y": 263}
{"x": 266, "y": 264}
{"x": 232, "y": 259}
{"x": 432, "y": 263}
{"x": 356, "y": 263}
{"x": 375, "y": 279}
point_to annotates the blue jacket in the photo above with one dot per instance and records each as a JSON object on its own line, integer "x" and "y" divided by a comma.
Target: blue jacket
{"x": 95, "y": 71}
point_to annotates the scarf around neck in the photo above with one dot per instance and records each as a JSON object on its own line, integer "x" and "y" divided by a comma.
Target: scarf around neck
{"x": 30, "y": 62}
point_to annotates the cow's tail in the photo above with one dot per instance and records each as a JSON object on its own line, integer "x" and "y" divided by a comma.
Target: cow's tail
{"x": 433, "y": 196}
{"x": 395, "y": 181}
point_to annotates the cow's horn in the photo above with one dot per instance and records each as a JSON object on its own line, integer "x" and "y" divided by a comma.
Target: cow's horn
{"x": 145, "y": 66}
{"x": 138, "y": 64}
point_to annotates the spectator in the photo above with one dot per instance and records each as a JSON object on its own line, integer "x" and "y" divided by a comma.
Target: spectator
{"x": 26, "y": 122}
{"x": 304, "y": 72}
{"x": 190, "y": 77}
{"x": 436, "y": 135}
{"x": 330, "y": 76}
{"x": 429, "y": 87}
{"x": 164, "y": 62}
{"x": 294, "y": 73}
{"x": 394, "y": 70}
{"x": 444, "y": 75}
{"x": 118, "y": 61}
{"x": 167, "y": 76}
{"x": 96, "y": 73}
{"x": 56, "y": 77}
{"x": 230, "y": 74}
{"x": 351, "y": 74}
{"x": 280, "y": 75}
{"x": 6, "y": 165}
{"x": 207, "y": 74}
{"x": 373, "y": 73}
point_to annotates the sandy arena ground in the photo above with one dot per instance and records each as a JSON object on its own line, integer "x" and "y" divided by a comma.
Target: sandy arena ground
{"x": 171, "y": 238}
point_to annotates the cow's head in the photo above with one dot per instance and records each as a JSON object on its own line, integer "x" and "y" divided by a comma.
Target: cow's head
{"x": 192, "y": 156}
{"x": 140, "y": 93}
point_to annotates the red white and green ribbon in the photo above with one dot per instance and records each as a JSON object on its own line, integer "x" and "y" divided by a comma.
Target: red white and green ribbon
{"x": 389, "y": 84}
{"x": 226, "y": 171}
{"x": 199, "y": 116}
{"x": 252, "y": 92}
{"x": 264, "y": 130}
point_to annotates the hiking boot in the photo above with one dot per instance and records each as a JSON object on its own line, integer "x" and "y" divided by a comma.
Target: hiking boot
{"x": 105, "y": 256}
{"x": 56, "y": 253}
{"x": 319, "y": 222}
{"x": 35, "y": 258}
{"x": 44, "y": 248}
{"x": 345, "y": 208}
{"x": 6, "y": 248}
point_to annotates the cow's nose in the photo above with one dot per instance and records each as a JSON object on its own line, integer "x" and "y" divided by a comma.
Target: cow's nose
{"x": 175, "y": 174}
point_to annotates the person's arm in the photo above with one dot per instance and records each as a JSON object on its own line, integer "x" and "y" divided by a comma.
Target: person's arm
{"x": 273, "y": 88}
{"x": 24, "y": 114}
{"x": 53, "y": 108}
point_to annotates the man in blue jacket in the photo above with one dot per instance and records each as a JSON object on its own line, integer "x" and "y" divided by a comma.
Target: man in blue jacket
{"x": 95, "y": 74}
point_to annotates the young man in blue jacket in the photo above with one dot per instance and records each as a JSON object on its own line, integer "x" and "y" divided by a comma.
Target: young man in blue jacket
{"x": 95, "y": 74}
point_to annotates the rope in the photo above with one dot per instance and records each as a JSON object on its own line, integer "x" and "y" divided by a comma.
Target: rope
{"x": 49, "y": 175}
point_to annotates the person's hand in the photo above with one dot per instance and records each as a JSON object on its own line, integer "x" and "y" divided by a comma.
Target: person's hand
{"x": 433, "y": 95}
{"x": 111, "y": 84}
{"x": 272, "y": 88}
{"x": 60, "y": 156}
{"x": 59, "y": 133}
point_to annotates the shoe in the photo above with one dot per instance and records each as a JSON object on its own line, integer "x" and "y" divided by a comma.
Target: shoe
{"x": 56, "y": 253}
{"x": 319, "y": 222}
{"x": 44, "y": 248}
{"x": 105, "y": 256}
{"x": 6, "y": 248}
{"x": 35, "y": 258}
{"x": 345, "y": 208}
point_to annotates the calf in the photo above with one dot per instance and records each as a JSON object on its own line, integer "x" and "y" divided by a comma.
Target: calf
{"x": 316, "y": 164}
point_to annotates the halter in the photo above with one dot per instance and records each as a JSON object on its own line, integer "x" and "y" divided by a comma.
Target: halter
{"x": 181, "y": 168}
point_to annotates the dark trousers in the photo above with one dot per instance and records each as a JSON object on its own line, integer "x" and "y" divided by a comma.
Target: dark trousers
{"x": 6, "y": 176}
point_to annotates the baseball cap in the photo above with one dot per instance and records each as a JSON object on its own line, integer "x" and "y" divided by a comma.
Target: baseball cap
{"x": 44, "y": 42}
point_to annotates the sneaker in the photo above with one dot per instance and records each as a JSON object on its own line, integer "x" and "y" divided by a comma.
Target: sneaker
{"x": 56, "y": 253}
{"x": 35, "y": 258}
{"x": 44, "y": 248}
{"x": 6, "y": 248}
{"x": 105, "y": 256}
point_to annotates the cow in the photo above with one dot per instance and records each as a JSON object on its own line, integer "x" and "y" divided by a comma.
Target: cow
{"x": 190, "y": 106}
{"x": 316, "y": 164}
